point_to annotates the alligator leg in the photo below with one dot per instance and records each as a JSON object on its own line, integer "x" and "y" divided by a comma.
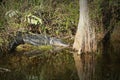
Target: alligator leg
{"x": 17, "y": 41}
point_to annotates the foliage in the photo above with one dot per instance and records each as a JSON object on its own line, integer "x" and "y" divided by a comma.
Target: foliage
{"x": 104, "y": 16}
{"x": 58, "y": 17}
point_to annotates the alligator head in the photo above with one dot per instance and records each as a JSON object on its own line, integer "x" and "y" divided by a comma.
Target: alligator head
{"x": 57, "y": 42}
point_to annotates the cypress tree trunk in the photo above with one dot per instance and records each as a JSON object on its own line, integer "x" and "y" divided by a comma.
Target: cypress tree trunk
{"x": 85, "y": 43}
{"x": 85, "y": 36}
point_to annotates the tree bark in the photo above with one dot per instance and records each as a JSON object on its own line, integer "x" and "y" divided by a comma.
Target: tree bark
{"x": 85, "y": 36}
{"x": 84, "y": 43}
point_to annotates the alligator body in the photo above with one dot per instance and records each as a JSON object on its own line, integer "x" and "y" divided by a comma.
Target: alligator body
{"x": 35, "y": 39}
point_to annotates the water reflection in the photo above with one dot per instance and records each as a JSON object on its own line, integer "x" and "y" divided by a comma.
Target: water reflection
{"x": 60, "y": 65}
{"x": 47, "y": 66}
{"x": 104, "y": 65}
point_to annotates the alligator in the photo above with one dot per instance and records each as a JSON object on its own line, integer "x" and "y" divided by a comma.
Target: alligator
{"x": 34, "y": 39}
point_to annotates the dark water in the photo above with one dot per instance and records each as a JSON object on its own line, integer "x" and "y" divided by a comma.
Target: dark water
{"x": 104, "y": 65}
{"x": 60, "y": 65}
{"x": 108, "y": 64}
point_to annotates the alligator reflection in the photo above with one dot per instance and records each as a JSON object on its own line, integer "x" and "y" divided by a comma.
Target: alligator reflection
{"x": 47, "y": 66}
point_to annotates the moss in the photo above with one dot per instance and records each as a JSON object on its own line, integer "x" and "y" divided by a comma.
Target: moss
{"x": 1, "y": 41}
{"x": 28, "y": 47}
{"x": 44, "y": 47}
{"x": 25, "y": 47}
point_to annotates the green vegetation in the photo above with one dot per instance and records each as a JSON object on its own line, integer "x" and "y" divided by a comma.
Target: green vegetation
{"x": 57, "y": 16}
{"x": 104, "y": 17}
{"x": 59, "y": 19}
